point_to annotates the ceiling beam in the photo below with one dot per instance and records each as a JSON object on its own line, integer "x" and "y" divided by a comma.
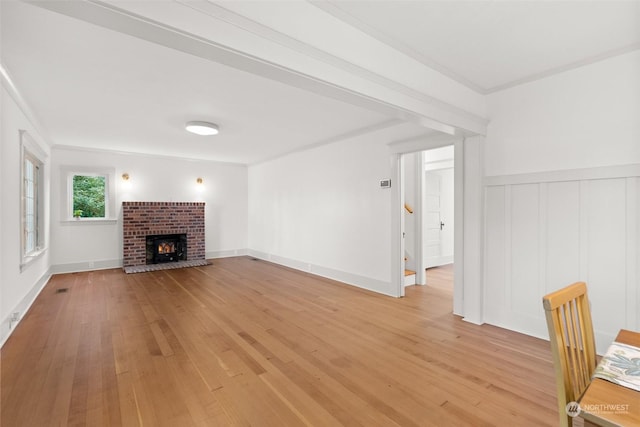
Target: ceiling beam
{"x": 163, "y": 23}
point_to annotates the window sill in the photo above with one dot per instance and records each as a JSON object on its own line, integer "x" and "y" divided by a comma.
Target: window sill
{"x": 95, "y": 221}
{"x": 27, "y": 260}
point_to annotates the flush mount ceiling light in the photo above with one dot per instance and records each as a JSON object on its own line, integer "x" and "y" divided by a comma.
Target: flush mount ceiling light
{"x": 202, "y": 128}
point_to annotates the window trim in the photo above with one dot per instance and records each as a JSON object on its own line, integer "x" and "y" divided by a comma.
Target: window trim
{"x": 66, "y": 180}
{"x": 30, "y": 150}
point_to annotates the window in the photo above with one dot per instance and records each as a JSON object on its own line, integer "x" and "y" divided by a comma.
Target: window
{"x": 32, "y": 206}
{"x": 89, "y": 196}
{"x": 89, "y": 193}
{"x": 31, "y": 202}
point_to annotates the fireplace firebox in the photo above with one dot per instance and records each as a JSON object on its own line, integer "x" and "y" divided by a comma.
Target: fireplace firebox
{"x": 166, "y": 248}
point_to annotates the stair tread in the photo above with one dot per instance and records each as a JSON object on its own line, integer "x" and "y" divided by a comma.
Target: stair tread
{"x": 409, "y": 272}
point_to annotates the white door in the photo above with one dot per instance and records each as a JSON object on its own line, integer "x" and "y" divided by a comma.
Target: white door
{"x": 432, "y": 220}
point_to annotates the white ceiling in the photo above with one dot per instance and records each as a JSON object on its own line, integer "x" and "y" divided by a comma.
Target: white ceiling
{"x": 490, "y": 45}
{"x": 97, "y": 88}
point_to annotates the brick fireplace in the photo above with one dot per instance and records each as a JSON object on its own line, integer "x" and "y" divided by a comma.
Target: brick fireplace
{"x": 142, "y": 219}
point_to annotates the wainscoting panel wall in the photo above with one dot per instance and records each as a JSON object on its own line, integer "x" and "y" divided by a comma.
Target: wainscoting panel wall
{"x": 545, "y": 231}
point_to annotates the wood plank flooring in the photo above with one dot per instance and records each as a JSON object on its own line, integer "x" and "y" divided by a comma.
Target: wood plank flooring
{"x": 440, "y": 277}
{"x": 245, "y": 342}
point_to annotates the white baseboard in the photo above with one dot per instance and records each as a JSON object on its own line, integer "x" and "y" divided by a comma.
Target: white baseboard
{"x": 7, "y": 326}
{"x": 368, "y": 283}
{"x": 444, "y": 260}
{"x": 77, "y": 267}
{"x": 226, "y": 254}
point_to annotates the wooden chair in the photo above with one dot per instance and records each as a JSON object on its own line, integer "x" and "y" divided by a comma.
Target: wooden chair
{"x": 572, "y": 343}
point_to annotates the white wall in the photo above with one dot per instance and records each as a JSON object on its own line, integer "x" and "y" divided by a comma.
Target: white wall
{"x": 83, "y": 245}
{"x": 563, "y": 159}
{"x": 17, "y": 288}
{"x": 583, "y": 118}
{"x": 323, "y": 211}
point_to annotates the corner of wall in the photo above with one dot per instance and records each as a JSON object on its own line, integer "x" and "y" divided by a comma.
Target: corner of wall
{"x": 473, "y": 229}
{"x": 227, "y": 254}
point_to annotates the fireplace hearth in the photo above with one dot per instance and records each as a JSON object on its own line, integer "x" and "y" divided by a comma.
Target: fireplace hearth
{"x": 166, "y": 248}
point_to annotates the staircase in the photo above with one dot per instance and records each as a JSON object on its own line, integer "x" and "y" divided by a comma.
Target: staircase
{"x": 409, "y": 277}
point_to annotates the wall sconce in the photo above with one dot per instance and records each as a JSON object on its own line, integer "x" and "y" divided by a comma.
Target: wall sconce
{"x": 199, "y": 181}
{"x": 125, "y": 176}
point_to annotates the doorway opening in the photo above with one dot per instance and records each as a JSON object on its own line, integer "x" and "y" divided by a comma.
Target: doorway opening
{"x": 402, "y": 155}
{"x": 468, "y": 287}
{"x": 429, "y": 217}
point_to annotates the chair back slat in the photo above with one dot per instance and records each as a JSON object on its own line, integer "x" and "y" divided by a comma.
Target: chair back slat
{"x": 572, "y": 343}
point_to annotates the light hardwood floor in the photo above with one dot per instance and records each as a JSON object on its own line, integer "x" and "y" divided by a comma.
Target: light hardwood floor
{"x": 246, "y": 342}
{"x": 440, "y": 277}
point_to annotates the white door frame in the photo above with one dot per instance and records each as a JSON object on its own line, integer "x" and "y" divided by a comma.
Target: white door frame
{"x": 421, "y": 277}
{"x": 397, "y": 224}
{"x": 397, "y": 211}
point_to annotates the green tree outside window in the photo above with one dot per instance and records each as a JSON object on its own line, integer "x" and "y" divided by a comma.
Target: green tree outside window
{"x": 89, "y": 196}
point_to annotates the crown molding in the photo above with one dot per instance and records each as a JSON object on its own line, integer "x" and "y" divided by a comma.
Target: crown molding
{"x": 14, "y": 92}
{"x": 62, "y": 147}
{"x": 568, "y": 67}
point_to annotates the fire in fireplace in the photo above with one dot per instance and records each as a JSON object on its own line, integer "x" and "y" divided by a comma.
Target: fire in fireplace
{"x": 166, "y": 248}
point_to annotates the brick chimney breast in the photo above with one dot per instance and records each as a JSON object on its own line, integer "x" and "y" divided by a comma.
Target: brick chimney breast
{"x": 141, "y": 219}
